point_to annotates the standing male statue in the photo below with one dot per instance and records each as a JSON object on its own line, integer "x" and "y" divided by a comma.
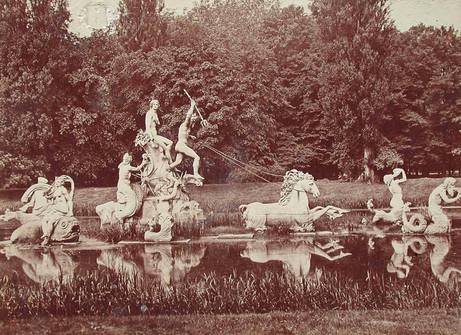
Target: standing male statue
{"x": 182, "y": 148}
{"x": 152, "y": 121}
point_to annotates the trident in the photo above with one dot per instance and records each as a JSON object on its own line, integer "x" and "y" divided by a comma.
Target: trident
{"x": 204, "y": 122}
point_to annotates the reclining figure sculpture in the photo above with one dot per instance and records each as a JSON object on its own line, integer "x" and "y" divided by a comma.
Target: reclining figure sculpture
{"x": 51, "y": 219}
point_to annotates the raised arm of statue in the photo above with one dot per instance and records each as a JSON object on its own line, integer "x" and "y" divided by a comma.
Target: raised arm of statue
{"x": 448, "y": 200}
{"x": 448, "y": 187}
{"x": 399, "y": 171}
{"x": 189, "y": 113}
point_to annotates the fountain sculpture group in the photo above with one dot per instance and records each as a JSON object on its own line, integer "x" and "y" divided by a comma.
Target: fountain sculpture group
{"x": 51, "y": 218}
{"x": 160, "y": 198}
{"x": 438, "y": 222}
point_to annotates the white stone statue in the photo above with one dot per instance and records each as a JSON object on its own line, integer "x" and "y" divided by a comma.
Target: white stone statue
{"x": 440, "y": 194}
{"x": 125, "y": 192}
{"x": 439, "y": 222}
{"x": 152, "y": 121}
{"x": 165, "y": 220}
{"x": 34, "y": 197}
{"x": 52, "y": 216}
{"x": 182, "y": 147}
{"x": 60, "y": 205}
{"x": 162, "y": 193}
{"x": 129, "y": 195}
{"x": 396, "y": 204}
{"x": 292, "y": 209}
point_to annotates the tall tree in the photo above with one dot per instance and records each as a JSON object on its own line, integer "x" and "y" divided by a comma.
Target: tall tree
{"x": 355, "y": 78}
{"x": 141, "y": 26}
{"x": 429, "y": 81}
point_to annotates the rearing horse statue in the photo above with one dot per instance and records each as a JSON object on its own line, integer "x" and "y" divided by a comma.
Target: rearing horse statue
{"x": 293, "y": 207}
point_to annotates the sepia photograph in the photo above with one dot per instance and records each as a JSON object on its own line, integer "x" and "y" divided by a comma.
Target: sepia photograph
{"x": 248, "y": 167}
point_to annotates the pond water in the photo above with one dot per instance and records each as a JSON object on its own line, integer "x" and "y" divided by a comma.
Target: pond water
{"x": 354, "y": 257}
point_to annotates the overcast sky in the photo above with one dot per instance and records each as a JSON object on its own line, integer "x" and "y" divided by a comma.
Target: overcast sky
{"x": 87, "y": 15}
{"x": 406, "y": 13}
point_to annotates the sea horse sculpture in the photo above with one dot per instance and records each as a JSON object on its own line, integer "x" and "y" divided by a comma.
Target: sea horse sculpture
{"x": 293, "y": 207}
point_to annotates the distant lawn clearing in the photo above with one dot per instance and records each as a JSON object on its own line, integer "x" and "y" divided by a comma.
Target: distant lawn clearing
{"x": 227, "y": 198}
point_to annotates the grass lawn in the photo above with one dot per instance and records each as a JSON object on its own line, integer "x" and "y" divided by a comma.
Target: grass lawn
{"x": 418, "y": 322}
{"x": 220, "y": 203}
{"x": 226, "y": 198}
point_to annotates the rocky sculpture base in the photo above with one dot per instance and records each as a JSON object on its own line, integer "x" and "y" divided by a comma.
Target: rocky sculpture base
{"x": 164, "y": 234}
{"x": 66, "y": 230}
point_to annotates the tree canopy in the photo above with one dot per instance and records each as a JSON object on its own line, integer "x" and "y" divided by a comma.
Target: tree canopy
{"x": 335, "y": 91}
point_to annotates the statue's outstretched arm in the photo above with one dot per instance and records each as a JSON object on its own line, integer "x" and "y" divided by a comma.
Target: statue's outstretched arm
{"x": 145, "y": 160}
{"x": 25, "y": 207}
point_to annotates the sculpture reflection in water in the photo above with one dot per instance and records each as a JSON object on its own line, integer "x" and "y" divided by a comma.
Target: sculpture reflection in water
{"x": 54, "y": 265}
{"x": 168, "y": 263}
{"x": 400, "y": 262}
{"x": 440, "y": 267}
{"x": 438, "y": 247}
{"x": 295, "y": 255}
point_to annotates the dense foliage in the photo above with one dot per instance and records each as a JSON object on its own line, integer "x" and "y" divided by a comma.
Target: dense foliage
{"x": 337, "y": 91}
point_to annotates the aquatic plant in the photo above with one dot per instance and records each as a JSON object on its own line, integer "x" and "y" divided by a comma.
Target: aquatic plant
{"x": 106, "y": 292}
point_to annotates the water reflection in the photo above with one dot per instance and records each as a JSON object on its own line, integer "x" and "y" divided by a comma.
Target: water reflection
{"x": 167, "y": 263}
{"x": 437, "y": 247}
{"x": 441, "y": 269}
{"x": 41, "y": 267}
{"x": 404, "y": 258}
{"x": 295, "y": 255}
{"x": 400, "y": 262}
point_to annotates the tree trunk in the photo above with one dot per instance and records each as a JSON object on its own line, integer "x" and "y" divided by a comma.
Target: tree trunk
{"x": 368, "y": 168}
